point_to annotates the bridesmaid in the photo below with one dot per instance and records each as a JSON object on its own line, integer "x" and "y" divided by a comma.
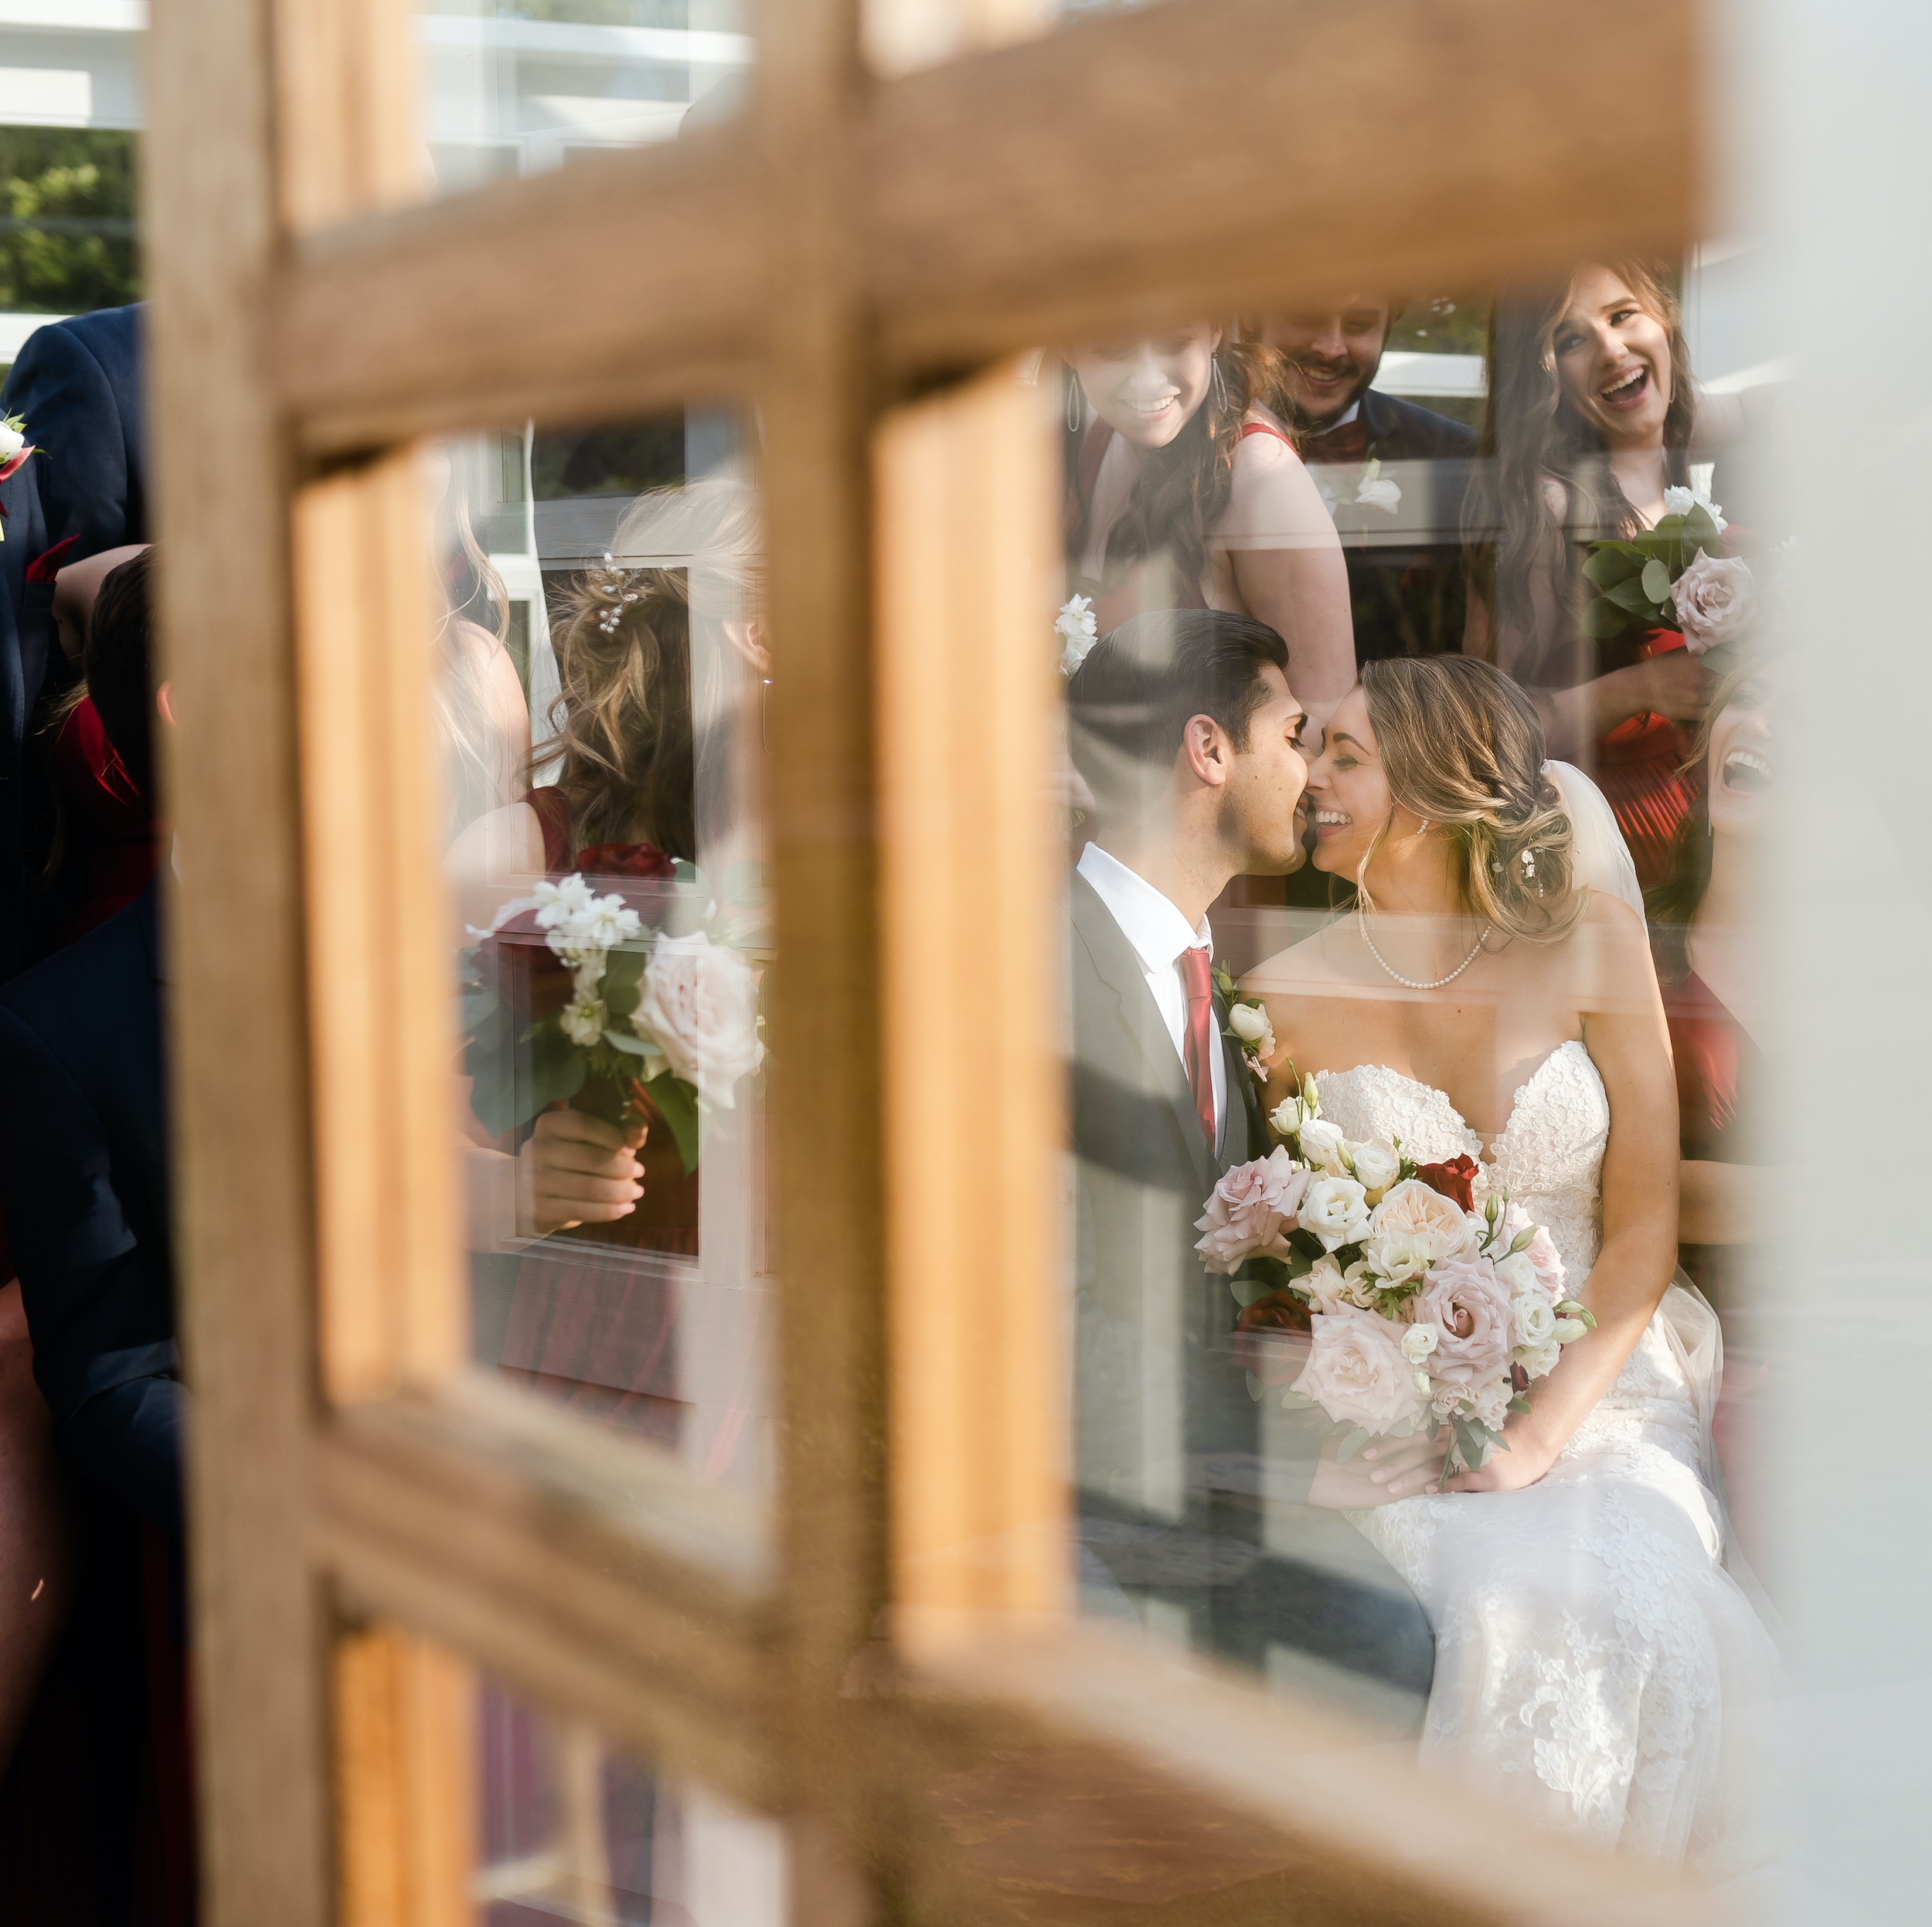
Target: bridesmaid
{"x": 1705, "y": 921}
{"x": 1593, "y": 413}
{"x": 1187, "y": 492}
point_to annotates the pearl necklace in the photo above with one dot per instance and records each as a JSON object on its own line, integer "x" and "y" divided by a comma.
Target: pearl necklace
{"x": 1409, "y": 983}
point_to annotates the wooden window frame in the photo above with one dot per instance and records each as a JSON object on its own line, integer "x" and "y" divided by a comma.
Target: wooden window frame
{"x": 851, "y": 255}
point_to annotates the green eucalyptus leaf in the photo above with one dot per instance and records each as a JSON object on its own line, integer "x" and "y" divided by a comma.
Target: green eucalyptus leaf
{"x": 1656, "y": 582}
{"x": 1250, "y": 1291}
{"x": 1602, "y": 619}
{"x": 1634, "y": 595}
{"x": 1255, "y": 1386}
{"x": 678, "y": 1104}
{"x": 1609, "y": 565}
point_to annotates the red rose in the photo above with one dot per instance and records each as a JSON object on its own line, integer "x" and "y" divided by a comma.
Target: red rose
{"x": 1455, "y": 1181}
{"x": 639, "y": 860}
{"x": 1273, "y": 1338}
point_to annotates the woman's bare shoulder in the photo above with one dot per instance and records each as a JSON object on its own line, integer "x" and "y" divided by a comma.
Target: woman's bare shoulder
{"x": 503, "y": 843}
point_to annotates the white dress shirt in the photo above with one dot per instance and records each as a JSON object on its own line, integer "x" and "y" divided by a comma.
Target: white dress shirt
{"x": 1158, "y": 933}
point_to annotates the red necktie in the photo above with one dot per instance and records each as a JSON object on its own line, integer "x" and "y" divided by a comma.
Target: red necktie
{"x": 1200, "y": 1037}
{"x": 1347, "y": 443}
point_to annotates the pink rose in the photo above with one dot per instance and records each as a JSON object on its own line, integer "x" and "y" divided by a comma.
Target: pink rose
{"x": 1469, "y": 1305}
{"x": 1250, "y": 1209}
{"x": 1716, "y": 600}
{"x": 1356, "y": 1372}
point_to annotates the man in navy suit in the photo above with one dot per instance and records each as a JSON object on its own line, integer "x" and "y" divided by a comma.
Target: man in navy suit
{"x": 1406, "y": 584}
{"x": 76, "y": 385}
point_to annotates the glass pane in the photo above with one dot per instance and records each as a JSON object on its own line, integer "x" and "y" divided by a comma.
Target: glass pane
{"x": 602, "y": 685}
{"x": 1423, "y": 693}
{"x": 511, "y": 90}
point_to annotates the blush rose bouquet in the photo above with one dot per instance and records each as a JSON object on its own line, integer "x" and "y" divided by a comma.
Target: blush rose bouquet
{"x": 1411, "y": 1296}
{"x": 572, "y": 995}
{"x": 1685, "y": 580}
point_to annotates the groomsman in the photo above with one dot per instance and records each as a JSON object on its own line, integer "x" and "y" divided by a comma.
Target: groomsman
{"x": 1405, "y": 577}
{"x": 1185, "y": 731}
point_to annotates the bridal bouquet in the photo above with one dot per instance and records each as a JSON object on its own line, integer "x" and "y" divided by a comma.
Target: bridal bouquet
{"x": 618, "y": 1018}
{"x": 1677, "y": 576}
{"x": 1422, "y": 1309}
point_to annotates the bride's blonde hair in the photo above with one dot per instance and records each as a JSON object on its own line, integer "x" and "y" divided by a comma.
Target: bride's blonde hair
{"x": 1462, "y": 746}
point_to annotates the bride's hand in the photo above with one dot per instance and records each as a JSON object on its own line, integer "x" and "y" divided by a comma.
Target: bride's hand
{"x": 1523, "y": 1464}
{"x": 1399, "y": 1469}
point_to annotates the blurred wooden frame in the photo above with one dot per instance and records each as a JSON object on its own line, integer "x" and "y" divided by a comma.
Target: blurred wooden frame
{"x": 855, "y": 256}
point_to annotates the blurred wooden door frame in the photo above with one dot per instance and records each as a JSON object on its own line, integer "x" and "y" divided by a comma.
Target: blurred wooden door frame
{"x": 845, "y": 256}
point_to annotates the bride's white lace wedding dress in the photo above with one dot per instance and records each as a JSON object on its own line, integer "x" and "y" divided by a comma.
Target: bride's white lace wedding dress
{"x": 1593, "y": 1660}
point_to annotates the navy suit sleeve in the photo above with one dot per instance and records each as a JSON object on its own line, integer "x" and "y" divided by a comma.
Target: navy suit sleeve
{"x": 73, "y": 416}
{"x": 94, "y": 1279}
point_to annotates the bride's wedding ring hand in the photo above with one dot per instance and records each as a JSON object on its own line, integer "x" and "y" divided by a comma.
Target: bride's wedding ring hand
{"x": 1523, "y": 1464}
{"x": 576, "y": 1170}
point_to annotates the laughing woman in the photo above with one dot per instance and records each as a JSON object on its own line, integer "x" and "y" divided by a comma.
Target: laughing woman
{"x": 1593, "y": 413}
{"x": 1186, "y": 492}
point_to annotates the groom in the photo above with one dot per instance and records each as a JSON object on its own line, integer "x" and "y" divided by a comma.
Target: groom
{"x": 1204, "y": 1514}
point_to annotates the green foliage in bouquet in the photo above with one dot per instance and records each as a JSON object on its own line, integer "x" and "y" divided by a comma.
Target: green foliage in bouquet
{"x": 1632, "y": 580}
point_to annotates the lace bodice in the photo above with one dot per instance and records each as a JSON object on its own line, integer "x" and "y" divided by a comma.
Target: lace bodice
{"x": 1548, "y": 1155}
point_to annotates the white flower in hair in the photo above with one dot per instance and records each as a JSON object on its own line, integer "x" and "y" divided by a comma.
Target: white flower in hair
{"x": 1681, "y": 501}
{"x": 1077, "y": 630}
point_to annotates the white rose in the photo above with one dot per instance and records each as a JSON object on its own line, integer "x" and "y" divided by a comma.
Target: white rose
{"x": 1418, "y": 1341}
{"x": 1248, "y": 1021}
{"x": 1536, "y": 1317}
{"x": 1492, "y": 1402}
{"x": 1377, "y": 1166}
{"x": 1716, "y": 600}
{"x": 1377, "y": 491}
{"x": 1322, "y": 1146}
{"x": 1336, "y": 1210}
{"x": 700, "y": 1007}
{"x": 1400, "y": 1256}
{"x": 582, "y": 1019}
{"x": 1681, "y": 501}
{"x": 1286, "y": 1117}
{"x": 1356, "y": 1372}
{"x": 1566, "y": 1331}
{"x": 12, "y": 441}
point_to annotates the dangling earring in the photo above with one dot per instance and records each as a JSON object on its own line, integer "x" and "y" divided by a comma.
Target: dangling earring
{"x": 1220, "y": 386}
{"x": 1076, "y": 406}
{"x": 1424, "y": 830}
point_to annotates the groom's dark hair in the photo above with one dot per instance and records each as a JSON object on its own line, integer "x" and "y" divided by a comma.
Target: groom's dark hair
{"x": 1131, "y": 697}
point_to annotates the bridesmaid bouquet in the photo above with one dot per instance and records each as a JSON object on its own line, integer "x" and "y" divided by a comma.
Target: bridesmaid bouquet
{"x": 617, "y": 1019}
{"x": 1676, "y": 577}
{"x": 1422, "y": 1309}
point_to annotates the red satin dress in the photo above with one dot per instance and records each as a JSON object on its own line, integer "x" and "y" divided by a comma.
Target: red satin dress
{"x": 611, "y": 1317}
{"x": 111, "y": 841}
{"x": 1639, "y": 767}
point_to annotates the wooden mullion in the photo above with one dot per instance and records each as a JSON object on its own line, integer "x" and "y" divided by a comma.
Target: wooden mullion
{"x": 233, "y": 936}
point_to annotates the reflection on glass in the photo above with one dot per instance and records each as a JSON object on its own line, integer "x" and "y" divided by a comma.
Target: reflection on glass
{"x": 572, "y": 1831}
{"x": 1408, "y": 646}
{"x": 602, "y": 690}
{"x": 512, "y": 89}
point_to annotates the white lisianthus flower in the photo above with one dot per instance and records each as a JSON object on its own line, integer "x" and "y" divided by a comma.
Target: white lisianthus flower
{"x": 1541, "y": 1360}
{"x": 1517, "y": 1271}
{"x": 582, "y": 1019}
{"x": 1536, "y": 1318}
{"x": 699, "y": 1006}
{"x": 1077, "y": 631}
{"x": 1336, "y": 1210}
{"x": 1492, "y": 1403}
{"x": 1681, "y": 501}
{"x": 1321, "y": 1143}
{"x": 1286, "y": 1117}
{"x": 1377, "y": 1166}
{"x": 1566, "y": 1331}
{"x": 1418, "y": 1341}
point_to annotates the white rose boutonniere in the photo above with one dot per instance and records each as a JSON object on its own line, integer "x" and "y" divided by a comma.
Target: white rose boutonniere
{"x": 14, "y": 451}
{"x": 1375, "y": 489}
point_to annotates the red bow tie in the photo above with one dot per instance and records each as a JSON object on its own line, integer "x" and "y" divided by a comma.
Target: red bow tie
{"x": 1347, "y": 443}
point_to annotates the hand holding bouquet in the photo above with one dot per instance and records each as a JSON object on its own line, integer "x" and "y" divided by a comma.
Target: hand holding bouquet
{"x": 1424, "y": 1308}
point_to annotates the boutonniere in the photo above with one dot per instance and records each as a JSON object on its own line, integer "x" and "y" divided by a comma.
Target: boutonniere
{"x": 1247, "y": 1023}
{"x": 1077, "y": 630}
{"x": 1374, "y": 490}
{"x": 15, "y": 449}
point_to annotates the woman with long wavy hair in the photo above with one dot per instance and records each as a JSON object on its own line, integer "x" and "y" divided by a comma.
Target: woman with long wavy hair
{"x": 1593, "y": 413}
{"x": 1186, "y": 491}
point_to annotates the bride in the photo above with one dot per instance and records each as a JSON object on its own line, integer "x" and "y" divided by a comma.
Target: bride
{"x": 1594, "y": 1661}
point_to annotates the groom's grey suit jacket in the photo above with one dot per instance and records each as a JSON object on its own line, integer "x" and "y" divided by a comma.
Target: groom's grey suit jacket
{"x": 1192, "y": 1495}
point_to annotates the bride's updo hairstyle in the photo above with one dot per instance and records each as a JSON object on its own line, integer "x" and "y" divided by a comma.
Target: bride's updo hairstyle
{"x": 1462, "y": 746}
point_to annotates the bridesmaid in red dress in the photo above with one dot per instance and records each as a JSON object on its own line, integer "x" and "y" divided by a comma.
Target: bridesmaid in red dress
{"x": 609, "y": 1312}
{"x": 1187, "y": 492}
{"x": 1705, "y": 921}
{"x": 1593, "y": 413}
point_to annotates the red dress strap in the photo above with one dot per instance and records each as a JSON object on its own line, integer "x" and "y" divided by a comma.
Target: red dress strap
{"x": 553, "y": 817}
{"x": 1263, "y": 428}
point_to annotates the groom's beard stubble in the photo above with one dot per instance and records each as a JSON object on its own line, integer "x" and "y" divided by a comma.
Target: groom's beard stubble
{"x": 1256, "y": 861}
